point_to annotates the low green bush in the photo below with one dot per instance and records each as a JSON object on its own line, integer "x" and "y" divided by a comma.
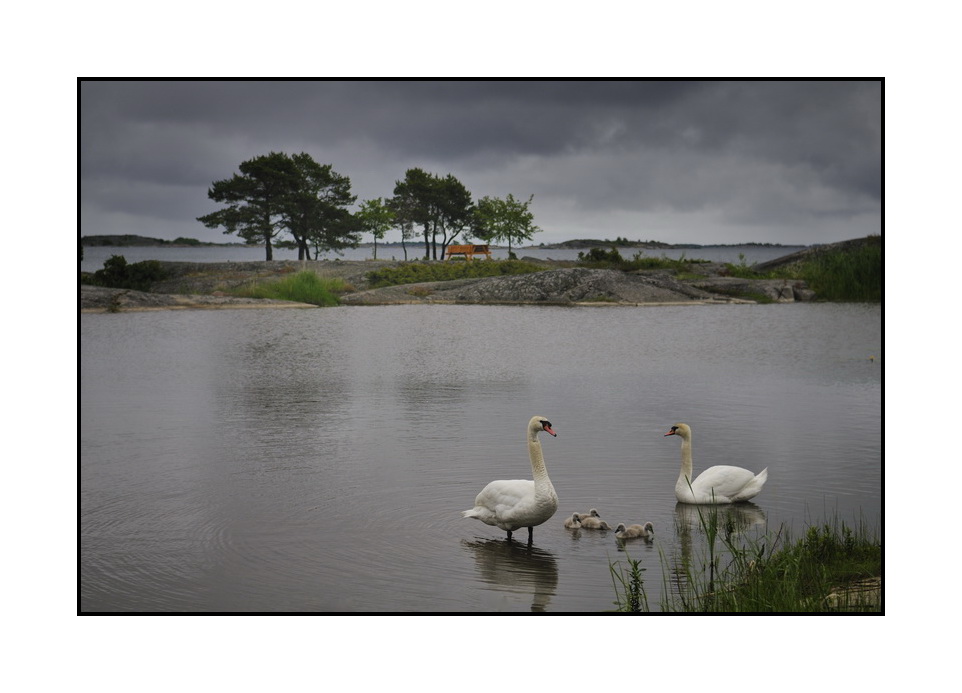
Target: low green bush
{"x": 599, "y": 258}
{"x": 117, "y": 274}
{"x": 414, "y": 272}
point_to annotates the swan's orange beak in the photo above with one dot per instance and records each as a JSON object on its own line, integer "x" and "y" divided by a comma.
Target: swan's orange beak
{"x": 671, "y": 432}
{"x": 548, "y": 429}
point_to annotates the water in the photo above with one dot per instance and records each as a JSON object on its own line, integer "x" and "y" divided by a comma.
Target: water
{"x": 94, "y": 256}
{"x": 318, "y": 460}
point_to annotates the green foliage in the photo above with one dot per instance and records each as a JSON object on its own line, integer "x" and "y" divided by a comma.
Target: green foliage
{"x": 442, "y": 207}
{"x": 278, "y": 192}
{"x": 774, "y": 573}
{"x": 846, "y": 274}
{"x": 414, "y": 272}
{"x": 851, "y": 273}
{"x": 376, "y": 218}
{"x": 629, "y": 586}
{"x": 505, "y": 220}
{"x": 117, "y": 274}
{"x": 302, "y": 287}
{"x": 599, "y": 258}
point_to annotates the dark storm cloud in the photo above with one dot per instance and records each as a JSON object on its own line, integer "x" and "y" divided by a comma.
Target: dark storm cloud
{"x": 794, "y": 162}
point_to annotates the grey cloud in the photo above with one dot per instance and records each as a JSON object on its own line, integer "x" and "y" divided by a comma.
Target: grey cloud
{"x": 748, "y": 152}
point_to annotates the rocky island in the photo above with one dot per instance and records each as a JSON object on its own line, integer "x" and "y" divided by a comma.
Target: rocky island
{"x": 204, "y": 285}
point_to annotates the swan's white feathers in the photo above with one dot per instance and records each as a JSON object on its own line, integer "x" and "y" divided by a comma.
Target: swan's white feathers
{"x": 511, "y": 504}
{"x": 716, "y": 485}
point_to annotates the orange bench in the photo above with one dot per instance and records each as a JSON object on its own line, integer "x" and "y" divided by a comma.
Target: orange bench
{"x": 468, "y": 251}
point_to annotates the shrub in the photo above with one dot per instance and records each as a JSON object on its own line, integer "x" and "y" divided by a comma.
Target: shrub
{"x": 599, "y": 258}
{"x": 117, "y": 274}
{"x": 415, "y": 272}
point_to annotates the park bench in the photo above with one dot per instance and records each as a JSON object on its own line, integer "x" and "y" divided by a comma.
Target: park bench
{"x": 468, "y": 251}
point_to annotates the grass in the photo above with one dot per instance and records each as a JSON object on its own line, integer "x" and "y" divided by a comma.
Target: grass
{"x": 834, "y": 274}
{"x": 303, "y": 287}
{"x": 414, "y": 272}
{"x": 830, "y": 568}
{"x": 847, "y": 275}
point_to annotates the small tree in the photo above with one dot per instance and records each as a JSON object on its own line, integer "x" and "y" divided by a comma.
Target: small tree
{"x": 504, "y": 220}
{"x": 376, "y": 218}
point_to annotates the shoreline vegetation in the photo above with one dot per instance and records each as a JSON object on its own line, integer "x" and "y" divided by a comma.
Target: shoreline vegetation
{"x": 846, "y": 271}
{"x": 830, "y": 568}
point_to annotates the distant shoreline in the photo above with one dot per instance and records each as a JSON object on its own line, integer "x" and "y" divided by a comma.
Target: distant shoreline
{"x": 134, "y": 241}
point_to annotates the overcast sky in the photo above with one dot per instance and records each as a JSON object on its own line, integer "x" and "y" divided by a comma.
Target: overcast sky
{"x": 682, "y": 162}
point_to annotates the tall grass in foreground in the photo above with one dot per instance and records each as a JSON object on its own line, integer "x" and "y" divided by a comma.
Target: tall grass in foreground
{"x": 830, "y": 568}
{"x": 302, "y": 287}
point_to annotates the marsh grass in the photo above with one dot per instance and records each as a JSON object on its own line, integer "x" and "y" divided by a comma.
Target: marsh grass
{"x": 834, "y": 274}
{"x": 847, "y": 275}
{"x": 303, "y": 287}
{"x": 830, "y": 568}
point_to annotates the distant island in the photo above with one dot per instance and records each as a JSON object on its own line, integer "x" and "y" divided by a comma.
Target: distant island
{"x": 130, "y": 240}
{"x": 625, "y": 243}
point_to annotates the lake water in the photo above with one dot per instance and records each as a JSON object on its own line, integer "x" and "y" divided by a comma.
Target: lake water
{"x": 94, "y": 256}
{"x": 319, "y": 459}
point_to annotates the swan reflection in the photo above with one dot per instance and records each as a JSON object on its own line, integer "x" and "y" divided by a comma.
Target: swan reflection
{"x": 727, "y": 521}
{"x": 517, "y": 568}
{"x": 730, "y": 519}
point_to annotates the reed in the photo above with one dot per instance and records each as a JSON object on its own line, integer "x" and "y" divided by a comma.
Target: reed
{"x": 830, "y": 568}
{"x": 846, "y": 275}
{"x": 303, "y": 287}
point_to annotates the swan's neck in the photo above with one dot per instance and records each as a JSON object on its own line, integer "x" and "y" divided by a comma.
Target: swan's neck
{"x": 684, "y": 477}
{"x": 541, "y": 481}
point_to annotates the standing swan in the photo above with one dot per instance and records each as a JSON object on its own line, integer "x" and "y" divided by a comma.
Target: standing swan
{"x": 716, "y": 485}
{"x": 519, "y": 503}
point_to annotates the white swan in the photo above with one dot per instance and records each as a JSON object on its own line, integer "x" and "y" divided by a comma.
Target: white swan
{"x": 594, "y": 523}
{"x": 516, "y": 503}
{"x": 573, "y": 522}
{"x": 716, "y": 485}
{"x": 590, "y": 513}
{"x": 633, "y": 531}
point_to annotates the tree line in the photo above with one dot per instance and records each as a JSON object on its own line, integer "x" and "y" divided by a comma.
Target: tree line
{"x": 293, "y": 201}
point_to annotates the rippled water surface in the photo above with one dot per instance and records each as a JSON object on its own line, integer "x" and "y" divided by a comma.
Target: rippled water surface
{"x": 318, "y": 460}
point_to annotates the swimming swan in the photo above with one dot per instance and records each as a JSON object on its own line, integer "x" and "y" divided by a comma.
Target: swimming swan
{"x": 516, "y": 503}
{"x": 594, "y": 523}
{"x": 634, "y": 531}
{"x": 573, "y": 522}
{"x": 716, "y": 485}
